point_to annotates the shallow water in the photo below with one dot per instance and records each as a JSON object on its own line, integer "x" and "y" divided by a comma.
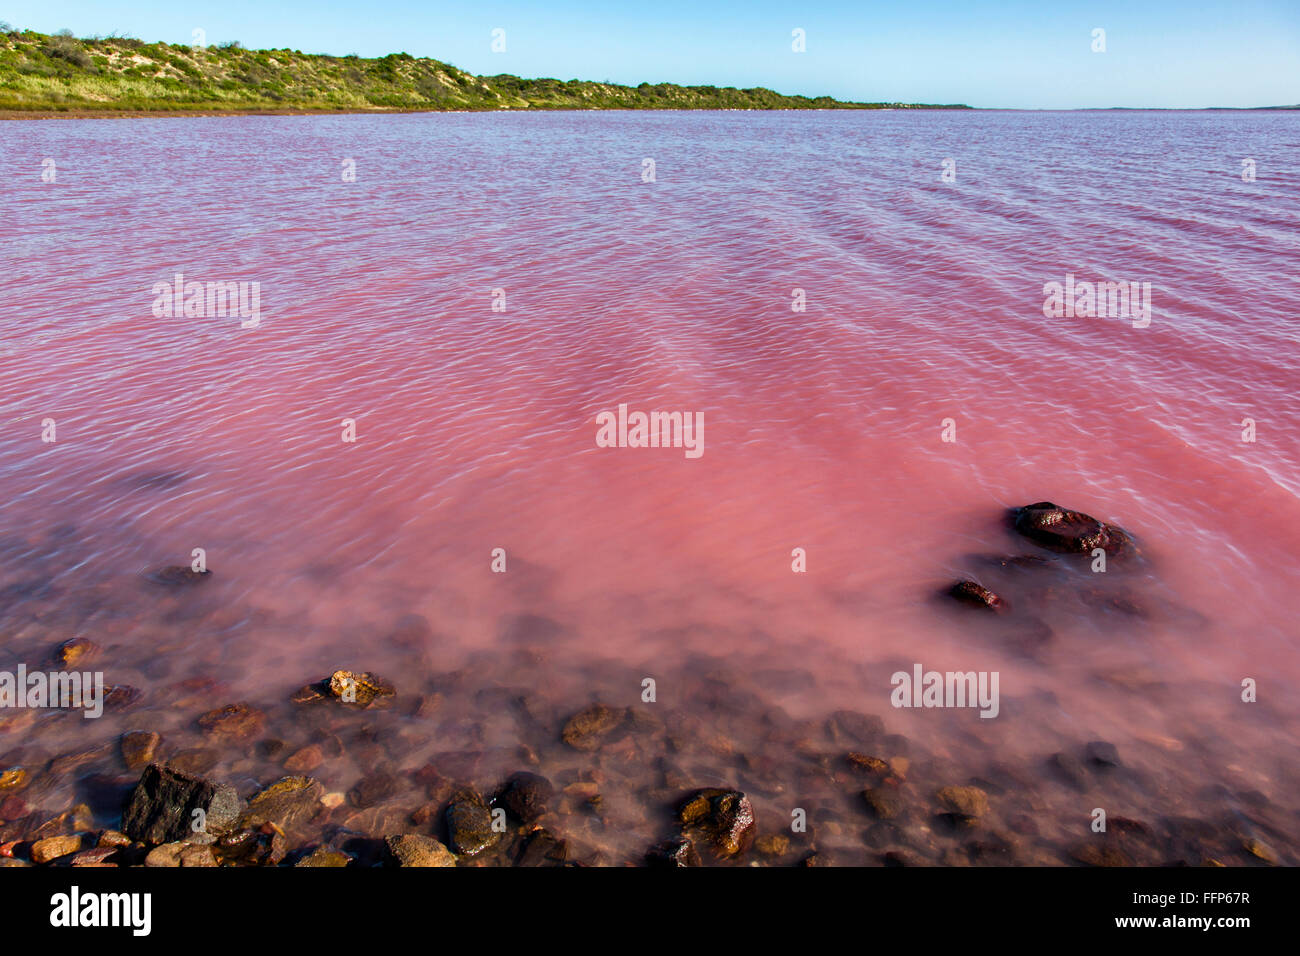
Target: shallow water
{"x": 476, "y": 430}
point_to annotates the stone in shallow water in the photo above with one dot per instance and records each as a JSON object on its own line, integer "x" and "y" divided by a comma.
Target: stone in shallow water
{"x": 290, "y": 803}
{"x": 178, "y": 576}
{"x": 469, "y": 823}
{"x": 592, "y": 726}
{"x": 75, "y": 652}
{"x": 976, "y": 595}
{"x": 417, "y": 850}
{"x": 139, "y": 747}
{"x": 965, "y": 803}
{"x": 673, "y": 853}
{"x": 325, "y": 857}
{"x": 542, "y": 848}
{"x": 51, "y": 848}
{"x": 161, "y": 807}
{"x": 1101, "y": 753}
{"x": 1069, "y": 532}
{"x": 525, "y": 796}
{"x": 723, "y": 819}
{"x": 233, "y": 723}
{"x": 881, "y": 803}
{"x": 850, "y": 727}
{"x": 359, "y": 688}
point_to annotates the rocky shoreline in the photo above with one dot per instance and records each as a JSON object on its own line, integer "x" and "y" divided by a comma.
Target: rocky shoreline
{"x": 471, "y": 768}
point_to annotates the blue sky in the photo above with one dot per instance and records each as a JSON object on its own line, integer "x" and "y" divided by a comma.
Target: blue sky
{"x": 1160, "y": 53}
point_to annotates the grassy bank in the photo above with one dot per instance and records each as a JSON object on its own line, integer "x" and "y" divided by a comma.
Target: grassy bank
{"x": 64, "y": 74}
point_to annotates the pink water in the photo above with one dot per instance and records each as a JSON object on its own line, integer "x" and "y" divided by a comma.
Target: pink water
{"x": 476, "y": 430}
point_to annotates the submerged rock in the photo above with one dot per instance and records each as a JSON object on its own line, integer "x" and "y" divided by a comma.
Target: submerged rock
{"x": 976, "y": 595}
{"x": 1069, "y": 532}
{"x": 139, "y": 747}
{"x": 542, "y": 848}
{"x": 673, "y": 853}
{"x": 75, "y": 652}
{"x": 469, "y": 823}
{"x": 963, "y": 804}
{"x": 723, "y": 819}
{"x": 289, "y": 804}
{"x": 233, "y": 723}
{"x": 51, "y": 848}
{"x": 417, "y": 850}
{"x": 161, "y": 807}
{"x": 178, "y": 576}
{"x": 525, "y": 796}
{"x": 591, "y": 726}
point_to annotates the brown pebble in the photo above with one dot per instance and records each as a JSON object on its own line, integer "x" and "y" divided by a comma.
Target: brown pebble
{"x": 305, "y": 760}
{"x": 51, "y": 848}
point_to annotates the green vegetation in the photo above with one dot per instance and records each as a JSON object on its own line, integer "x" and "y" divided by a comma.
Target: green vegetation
{"x": 63, "y": 73}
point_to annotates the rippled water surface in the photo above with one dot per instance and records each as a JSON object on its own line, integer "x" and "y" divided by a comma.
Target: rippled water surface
{"x": 476, "y": 430}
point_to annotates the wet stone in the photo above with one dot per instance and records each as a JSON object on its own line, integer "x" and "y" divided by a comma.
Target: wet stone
{"x": 964, "y": 803}
{"x": 51, "y": 848}
{"x": 75, "y": 652}
{"x": 976, "y": 595}
{"x": 883, "y": 804}
{"x": 1096, "y": 853}
{"x": 234, "y": 723}
{"x": 263, "y": 845}
{"x": 139, "y": 748}
{"x": 1070, "y": 769}
{"x": 195, "y": 760}
{"x": 161, "y": 807}
{"x": 591, "y": 726}
{"x": 417, "y": 850}
{"x": 723, "y": 819}
{"x": 305, "y": 760}
{"x": 1064, "y": 531}
{"x": 469, "y": 823}
{"x": 13, "y": 779}
{"x": 373, "y": 789}
{"x": 525, "y": 796}
{"x": 178, "y": 576}
{"x": 325, "y": 857}
{"x": 359, "y": 689}
{"x": 672, "y": 853}
{"x": 541, "y": 847}
{"x": 850, "y": 727}
{"x": 1102, "y": 754}
{"x": 866, "y": 765}
{"x": 289, "y": 804}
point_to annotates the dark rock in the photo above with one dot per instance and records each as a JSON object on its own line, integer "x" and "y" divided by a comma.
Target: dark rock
{"x": 976, "y": 595}
{"x": 673, "y": 853}
{"x": 161, "y": 807}
{"x": 525, "y": 796}
{"x": 469, "y": 823}
{"x": 1098, "y": 853}
{"x": 1061, "y": 530}
{"x": 723, "y": 819}
{"x": 194, "y": 760}
{"x": 263, "y": 845}
{"x": 542, "y": 848}
{"x": 416, "y": 850}
{"x": 592, "y": 726}
{"x": 178, "y": 576}
{"x": 373, "y": 789}
{"x": 1100, "y": 753}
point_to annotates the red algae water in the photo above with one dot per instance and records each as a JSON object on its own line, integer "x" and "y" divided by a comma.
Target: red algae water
{"x": 880, "y": 373}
